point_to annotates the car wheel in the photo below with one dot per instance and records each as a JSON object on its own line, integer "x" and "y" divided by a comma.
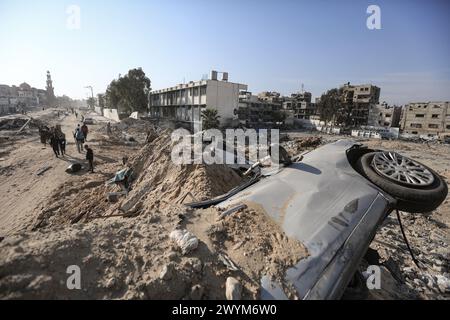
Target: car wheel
{"x": 416, "y": 187}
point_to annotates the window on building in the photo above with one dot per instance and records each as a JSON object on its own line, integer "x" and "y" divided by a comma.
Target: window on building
{"x": 435, "y": 116}
{"x": 420, "y": 115}
{"x": 415, "y": 125}
{"x": 388, "y": 115}
{"x": 448, "y": 126}
{"x": 414, "y": 132}
{"x": 195, "y": 91}
{"x": 433, "y": 126}
{"x": 203, "y": 91}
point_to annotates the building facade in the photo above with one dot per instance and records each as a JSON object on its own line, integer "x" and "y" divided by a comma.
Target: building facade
{"x": 16, "y": 98}
{"x": 427, "y": 119}
{"x": 259, "y": 111}
{"x": 185, "y": 102}
{"x": 361, "y": 97}
{"x": 383, "y": 115}
{"x": 300, "y": 104}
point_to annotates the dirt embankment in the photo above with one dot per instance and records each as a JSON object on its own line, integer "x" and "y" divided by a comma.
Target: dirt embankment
{"x": 134, "y": 257}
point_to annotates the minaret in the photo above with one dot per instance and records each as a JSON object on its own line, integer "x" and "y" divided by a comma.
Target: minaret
{"x": 50, "y": 90}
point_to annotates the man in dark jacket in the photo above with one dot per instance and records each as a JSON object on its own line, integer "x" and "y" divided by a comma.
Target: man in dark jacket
{"x": 85, "y": 130}
{"x": 62, "y": 143}
{"x": 90, "y": 157}
{"x": 54, "y": 142}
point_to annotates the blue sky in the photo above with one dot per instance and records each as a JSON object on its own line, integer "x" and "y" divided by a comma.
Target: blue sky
{"x": 269, "y": 45}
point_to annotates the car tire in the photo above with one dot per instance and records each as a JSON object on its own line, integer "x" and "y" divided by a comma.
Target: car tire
{"x": 409, "y": 199}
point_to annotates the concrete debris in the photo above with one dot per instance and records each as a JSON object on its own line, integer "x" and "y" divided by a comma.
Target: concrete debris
{"x": 167, "y": 272}
{"x": 233, "y": 289}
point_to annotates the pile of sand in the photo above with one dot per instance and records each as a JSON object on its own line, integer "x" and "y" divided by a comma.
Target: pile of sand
{"x": 158, "y": 184}
{"x": 254, "y": 243}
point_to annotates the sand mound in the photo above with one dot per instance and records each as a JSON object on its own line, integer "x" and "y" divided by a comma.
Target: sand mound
{"x": 159, "y": 184}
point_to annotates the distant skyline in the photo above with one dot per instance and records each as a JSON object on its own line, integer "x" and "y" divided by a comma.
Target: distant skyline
{"x": 268, "y": 45}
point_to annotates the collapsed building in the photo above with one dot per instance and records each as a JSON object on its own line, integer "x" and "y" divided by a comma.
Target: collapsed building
{"x": 361, "y": 97}
{"x": 384, "y": 115}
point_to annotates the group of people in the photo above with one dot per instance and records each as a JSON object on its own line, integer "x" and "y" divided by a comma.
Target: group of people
{"x": 56, "y": 139}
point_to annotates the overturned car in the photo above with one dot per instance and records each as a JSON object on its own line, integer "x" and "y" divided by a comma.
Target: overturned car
{"x": 333, "y": 200}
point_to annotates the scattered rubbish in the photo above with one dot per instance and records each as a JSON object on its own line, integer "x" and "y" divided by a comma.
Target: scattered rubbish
{"x": 233, "y": 289}
{"x": 185, "y": 240}
{"x": 188, "y": 194}
{"x": 227, "y": 262}
{"x": 232, "y": 210}
{"x": 167, "y": 272}
{"x": 122, "y": 178}
{"x": 23, "y": 127}
{"x": 74, "y": 168}
{"x": 114, "y": 196}
{"x": 42, "y": 170}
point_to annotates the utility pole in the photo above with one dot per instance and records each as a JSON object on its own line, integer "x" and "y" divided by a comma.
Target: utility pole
{"x": 92, "y": 93}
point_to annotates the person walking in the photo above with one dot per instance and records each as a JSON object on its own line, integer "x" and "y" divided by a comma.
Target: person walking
{"x": 90, "y": 157}
{"x": 62, "y": 143}
{"x": 79, "y": 139}
{"x": 54, "y": 142}
{"x": 85, "y": 130}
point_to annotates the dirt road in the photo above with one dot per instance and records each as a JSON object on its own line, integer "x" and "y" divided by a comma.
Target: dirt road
{"x": 22, "y": 190}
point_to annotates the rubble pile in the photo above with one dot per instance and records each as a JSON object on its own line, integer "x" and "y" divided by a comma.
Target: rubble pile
{"x": 126, "y": 131}
{"x": 158, "y": 184}
{"x": 14, "y": 124}
{"x": 429, "y": 240}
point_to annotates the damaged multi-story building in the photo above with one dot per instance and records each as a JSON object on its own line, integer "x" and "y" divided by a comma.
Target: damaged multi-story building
{"x": 384, "y": 115}
{"x": 263, "y": 110}
{"x": 361, "y": 98}
{"x": 427, "y": 119}
{"x": 301, "y": 105}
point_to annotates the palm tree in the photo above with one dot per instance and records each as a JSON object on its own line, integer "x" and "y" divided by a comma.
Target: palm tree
{"x": 210, "y": 119}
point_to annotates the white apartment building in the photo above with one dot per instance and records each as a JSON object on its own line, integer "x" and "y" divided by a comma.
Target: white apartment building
{"x": 185, "y": 102}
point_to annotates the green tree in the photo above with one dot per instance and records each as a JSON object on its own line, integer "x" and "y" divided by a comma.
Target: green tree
{"x": 101, "y": 100}
{"x": 210, "y": 119}
{"x": 129, "y": 93}
{"x": 91, "y": 102}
